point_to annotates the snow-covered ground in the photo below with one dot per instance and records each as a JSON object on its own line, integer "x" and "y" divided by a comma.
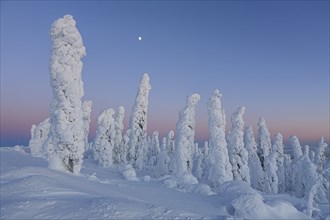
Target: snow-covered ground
{"x": 29, "y": 189}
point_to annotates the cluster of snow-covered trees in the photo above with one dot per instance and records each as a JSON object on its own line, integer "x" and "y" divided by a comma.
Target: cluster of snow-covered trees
{"x": 235, "y": 155}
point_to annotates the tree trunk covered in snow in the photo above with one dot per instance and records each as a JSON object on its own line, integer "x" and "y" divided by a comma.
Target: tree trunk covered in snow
{"x": 66, "y": 139}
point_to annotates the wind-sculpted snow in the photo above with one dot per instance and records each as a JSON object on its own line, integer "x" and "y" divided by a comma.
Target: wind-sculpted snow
{"x": 29, "y": 190}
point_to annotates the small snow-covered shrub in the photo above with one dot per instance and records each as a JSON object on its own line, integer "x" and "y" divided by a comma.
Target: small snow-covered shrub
{"x": 128, "y": 172}
{"x": 146, "y": 178}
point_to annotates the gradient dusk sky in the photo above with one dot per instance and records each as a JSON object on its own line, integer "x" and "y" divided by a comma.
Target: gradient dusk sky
{"x": 270, "y": 56}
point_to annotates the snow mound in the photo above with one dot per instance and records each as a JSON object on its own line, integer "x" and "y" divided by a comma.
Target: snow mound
{"x": 146, "y": 178}
{"x": 247, "y": 203}
{"x": 128, "y": 172}
{"x": 200, "y": 188}
{"x": 235, "y": 188}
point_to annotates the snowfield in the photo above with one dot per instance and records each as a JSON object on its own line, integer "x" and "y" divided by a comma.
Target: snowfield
{"x": 30, "y": 190}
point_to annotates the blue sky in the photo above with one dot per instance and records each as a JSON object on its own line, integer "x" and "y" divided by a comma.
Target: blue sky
{"x": 270, "y": 56}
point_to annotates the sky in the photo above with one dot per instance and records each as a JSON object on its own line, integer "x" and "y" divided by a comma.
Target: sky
{"x": 270, "y": 56}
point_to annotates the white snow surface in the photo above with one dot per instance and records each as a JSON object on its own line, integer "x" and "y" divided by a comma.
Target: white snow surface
{"x": 30, "y": 190}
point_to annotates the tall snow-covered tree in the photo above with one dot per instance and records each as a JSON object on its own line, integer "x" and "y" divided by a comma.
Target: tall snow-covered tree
{"x": 308, "y": 178}
{"x": 152, "y": 151}
{"x": 198, "y": 163}
{"x": 39, "y": 134}
{"x": 104, "y": 141}
{"x": 185, "y": 138}
{"x": 255, "y": 169}
{"x": 219, "y": 165}
{"x": 66, "y": 138}
{"x": 238, "y": 155}
{"x": 138, "y": 125}
{"x": 86, "y": 109}
{"x": 170, "y": 146}
{"x": 205, "y": 162}
{"x": 170, "y": 143}
{"x": 296, "y": 181}
{"x": 119, "y": 151}
{"x": 264, "y": 140}
{"x": 162, "y": 160}
{"x": 287, "y": 172}
{"x": 271, "y": 179}
{"x": 278, "y": 147}
{"x": 320, "y": 154}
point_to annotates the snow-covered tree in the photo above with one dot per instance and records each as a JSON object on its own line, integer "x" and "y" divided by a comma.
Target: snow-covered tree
{"x": 162, "y": 160}
{"x": 296, "y": 176}
{"x": 198, "y": 163}
{"x": 255, "y": 169}
{"x": 185, "y": 143}
{"x": 39, "y": 134}
{"x": 312, "y": 155}
{"x": 238, "y": 155}
{"x": 138, "y": 125}
{"x": 287, "y": 172}
{"x": 219, "y": 165}
{"x": 66, "y": 139}
{"x": 306, "y": 150}
{"x": 170, "y": 146}
{"x": 205, "y": 162}
{"x": 152, "y": 151}
{"x": 86, "y": 109}
{"x": 278, "y": 147}
{"x": 170, "y": 143}
{"x": 119, "y": 151}
{"x": 271, "y": 180}
{"x": 320, "y": 154}
{"x": 308, "y": 178}
{"x": 104, "y": 141}
{"x": 264, "y": 140}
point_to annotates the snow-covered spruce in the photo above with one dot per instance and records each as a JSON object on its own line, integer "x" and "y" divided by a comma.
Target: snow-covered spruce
{"x": 138, "y": 125}
{"x": 278, "y": 148}
{"x": 184, "y": 143}
{"x": 163, "y": 161}
{"x": 87, "y": 108}
{"x": 170, "y": 146}
{"x": 119, "y": 151}
{"x": 308, "y": 176}
{"x": 220, "y": 169}
{"x": 271, "y": 179}
{"x": 264, "y": 140}
{"x": 66, "y": 140}
{"x": 255, "y": 169}
{"x": 238, "y": 155}
{"x": 198, "y": 163}
{"x": 104, "y": 141}
{"x": 296, "y": 181}
{"x": 287, "y": 172}
{"x": 39, "y": 134}
{"x": 320, "y": 154}
{"x": 152, "y": 151}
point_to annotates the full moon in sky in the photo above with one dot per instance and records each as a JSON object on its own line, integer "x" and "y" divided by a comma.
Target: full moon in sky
{"x": 140, "y": 38}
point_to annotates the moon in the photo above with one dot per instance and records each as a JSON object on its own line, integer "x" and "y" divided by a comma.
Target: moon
{"x": 139, "y": 38}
